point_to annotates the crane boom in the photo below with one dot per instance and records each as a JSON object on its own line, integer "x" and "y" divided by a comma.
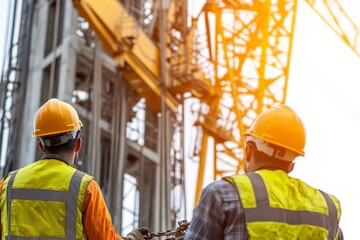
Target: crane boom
{"x": 127, "y": 43}
{"x": 334, "y": 15}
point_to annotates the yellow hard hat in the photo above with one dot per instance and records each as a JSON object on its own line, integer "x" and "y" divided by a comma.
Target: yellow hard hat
{"x": 281, "y": 126}
{"x": 55, "y": 117}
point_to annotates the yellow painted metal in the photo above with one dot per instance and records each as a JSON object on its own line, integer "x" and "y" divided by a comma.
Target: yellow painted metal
{"x": 189, "y": 77}
{"x": 145, "y": 83}
{"x": 250, "y": 74}
{"x": 202, "y": 166}
{"x": 334, "y": 15}
{"x": 126, "y": 42}
{"x": 100, "y": 16}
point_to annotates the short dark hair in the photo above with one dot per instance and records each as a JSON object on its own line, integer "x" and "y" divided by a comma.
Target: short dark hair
{"x": 267, "y": 162}
{"x": 66, "y": 147}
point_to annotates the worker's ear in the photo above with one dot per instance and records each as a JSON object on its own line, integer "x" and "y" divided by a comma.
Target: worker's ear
{"x": 78, "y": 144}
{"x": 248, "y": 152}
{"x": 41, "y": 146}
{"x": 291, "y": 167}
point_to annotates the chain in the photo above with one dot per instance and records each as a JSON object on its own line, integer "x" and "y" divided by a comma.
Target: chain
{"x": 175, "y": 234}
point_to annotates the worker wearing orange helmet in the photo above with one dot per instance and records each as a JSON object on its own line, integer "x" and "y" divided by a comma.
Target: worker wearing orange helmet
{"x": 265, "y": 202}
{"x": 50, "y": 199}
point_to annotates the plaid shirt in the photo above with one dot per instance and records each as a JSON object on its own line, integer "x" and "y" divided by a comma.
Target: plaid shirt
{"x": 218, "y": 214}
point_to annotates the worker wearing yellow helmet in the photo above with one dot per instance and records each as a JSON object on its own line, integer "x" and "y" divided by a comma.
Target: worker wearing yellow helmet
{"x": 265, "y": 202}
{"x": 50, "y": 199}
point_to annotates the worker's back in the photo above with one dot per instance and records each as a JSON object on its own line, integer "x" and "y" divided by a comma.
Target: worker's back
{"x": 280, "y": 207}
{"x": 45, "y": 200}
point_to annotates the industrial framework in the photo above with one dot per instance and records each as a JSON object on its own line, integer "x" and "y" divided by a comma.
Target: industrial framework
{"x": 231, "y": 60}
{"x": 241, "y": 52}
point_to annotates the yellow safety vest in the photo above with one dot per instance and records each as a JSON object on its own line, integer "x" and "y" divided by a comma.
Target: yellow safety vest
{"x": 278, "y": 206}
{"x": 44, "y": 200}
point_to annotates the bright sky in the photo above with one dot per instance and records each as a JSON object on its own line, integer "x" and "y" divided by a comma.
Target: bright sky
{"x": 3, "y": 19}
{"x": 324, "y": 89}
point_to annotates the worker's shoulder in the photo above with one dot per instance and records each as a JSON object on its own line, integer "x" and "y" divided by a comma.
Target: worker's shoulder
{"x": 83, "y": 173}
{"x": 86, "y": 177}
{"x": 9, "y": 174}
{"x": 220, "y": 184}
{"x": 222, "y": 188}
{"x": 334, "y": 198}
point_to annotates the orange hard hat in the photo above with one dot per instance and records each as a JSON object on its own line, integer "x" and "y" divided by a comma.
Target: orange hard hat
{"x": 281, "y": 126}
{"x": 54, "y": 118}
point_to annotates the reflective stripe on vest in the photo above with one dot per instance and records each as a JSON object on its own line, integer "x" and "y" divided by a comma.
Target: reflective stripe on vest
{"x": 265, "y": 213}
{"x": 48, "y": 195}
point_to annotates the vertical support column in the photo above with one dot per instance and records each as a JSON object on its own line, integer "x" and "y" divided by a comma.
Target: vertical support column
{"x": 19, "y": 85}
{"x": 69, "y": 49}
{"x": 95, "y": 133}
{"x": 118, "y": 151}
{"x": 164, "y": 216}
{"x": 51, "y": 92}
{"x": 27, "y": 144}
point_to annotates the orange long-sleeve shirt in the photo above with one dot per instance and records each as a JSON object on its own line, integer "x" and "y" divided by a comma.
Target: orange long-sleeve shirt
{"x": 96, "y": 217}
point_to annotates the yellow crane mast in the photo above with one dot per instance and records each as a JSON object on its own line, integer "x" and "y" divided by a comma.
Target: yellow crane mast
{"x": 250, "y": 53}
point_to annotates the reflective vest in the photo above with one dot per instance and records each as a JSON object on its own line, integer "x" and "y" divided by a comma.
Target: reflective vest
{"x": 278, "y": 206}
{"x": 44, "y": 200}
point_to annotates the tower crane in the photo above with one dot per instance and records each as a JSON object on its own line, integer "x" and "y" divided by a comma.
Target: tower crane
{"x": 234, "y": 59}
{"x": 251, "y": 53}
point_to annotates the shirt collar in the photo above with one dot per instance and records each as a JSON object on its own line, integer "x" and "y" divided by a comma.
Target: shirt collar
{"x": 59, "y": 157}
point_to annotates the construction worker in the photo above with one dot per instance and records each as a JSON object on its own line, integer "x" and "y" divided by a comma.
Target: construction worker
{"x": 50, "y": 199}
{"x": 265, "y": 202}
